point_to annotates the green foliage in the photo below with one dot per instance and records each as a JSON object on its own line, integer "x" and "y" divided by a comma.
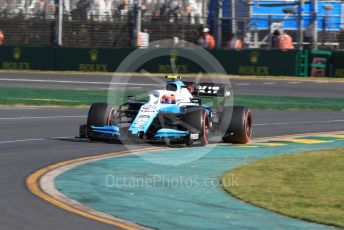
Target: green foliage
{"x": 308, "y": 186}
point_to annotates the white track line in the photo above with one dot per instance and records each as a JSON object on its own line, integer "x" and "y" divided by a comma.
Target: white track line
{"x": 24, "y": 140}
{"x": 78, "y": 82}
{"x": 49, "y": 117}
{"x": 129, "y": 87}
{"x": 299, "y": 122}
{"x": 17, "y": 108}
{"x": 269, "y": 83}
{"x": 242, "y": 84}
{"x": 36, "y": 139}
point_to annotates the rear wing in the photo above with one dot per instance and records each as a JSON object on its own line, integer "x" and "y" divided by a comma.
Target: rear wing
{"x": 208, "y": 89}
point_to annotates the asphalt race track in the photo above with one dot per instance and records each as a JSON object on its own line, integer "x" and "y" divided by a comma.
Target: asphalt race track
{"x": 103, "y": 82}
{"x": 33, "y": 138}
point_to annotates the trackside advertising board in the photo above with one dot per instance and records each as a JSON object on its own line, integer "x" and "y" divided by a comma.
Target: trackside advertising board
{"x": 338, "y": 64}
{"x": 244, "y": 62}
{"x": 26, "y": 58}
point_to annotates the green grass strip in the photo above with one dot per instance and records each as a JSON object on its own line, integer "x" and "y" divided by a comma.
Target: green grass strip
{"x": 290, "y": 103}
{"x": 308, "y": 186}
{"x": 52, "y": 97}
{"x": 72, "y": 97}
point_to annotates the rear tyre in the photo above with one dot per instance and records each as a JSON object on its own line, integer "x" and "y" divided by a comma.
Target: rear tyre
{"x": 239, "y": 129}
{"x": 197, "y": 118}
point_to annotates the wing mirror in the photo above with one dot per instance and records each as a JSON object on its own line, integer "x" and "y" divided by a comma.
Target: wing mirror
{"x": 131, "y": 98}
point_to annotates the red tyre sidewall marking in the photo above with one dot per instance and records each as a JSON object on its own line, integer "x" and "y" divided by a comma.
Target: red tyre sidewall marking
{"x": 109, "y": 116}
{"x": 246, "y": 124}
{"x": 204, "y": 128}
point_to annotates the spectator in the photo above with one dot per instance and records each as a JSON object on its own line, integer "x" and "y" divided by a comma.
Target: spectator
{"x": 282, "y": 41}
{"x": 143, "y": 9}
{"x": 233, "y": 43}
{"x": 190, "y": 13}
{"x": 207, "y": 40}
{"x": 309, "y": 36}
{"x": 163, "y": 9}
{"x": 37, "y": 6}
{"x": 286, "y": 42}
{"x": 66, "y": 5}
{"x": 275, "y": 43}
{"x": 175, "y": 8}
{"x": 2, "y": 37}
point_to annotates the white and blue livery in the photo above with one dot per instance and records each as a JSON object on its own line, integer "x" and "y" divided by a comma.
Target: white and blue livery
{"x": 172, "y": 115}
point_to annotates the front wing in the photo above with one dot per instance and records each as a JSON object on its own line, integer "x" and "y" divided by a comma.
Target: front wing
{"x": 121, "y": 133}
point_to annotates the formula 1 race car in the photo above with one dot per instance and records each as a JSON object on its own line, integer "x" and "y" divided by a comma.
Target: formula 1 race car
{"x": 172, "y": 115}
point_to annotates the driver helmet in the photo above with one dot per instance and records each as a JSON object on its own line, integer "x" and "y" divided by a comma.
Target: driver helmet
{"x": 168, "y": 99}
{"x": 191, "y": 88}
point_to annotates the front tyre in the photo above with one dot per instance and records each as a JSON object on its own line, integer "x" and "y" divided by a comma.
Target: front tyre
{"x": 83, "y": 131}
{"x": 99, "y": 115}
{"x": 239, "y": 129}
{"x": 197, "y": 118}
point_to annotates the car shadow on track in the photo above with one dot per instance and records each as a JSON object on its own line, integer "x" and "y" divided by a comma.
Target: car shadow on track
{"x": 118, "y": 142}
